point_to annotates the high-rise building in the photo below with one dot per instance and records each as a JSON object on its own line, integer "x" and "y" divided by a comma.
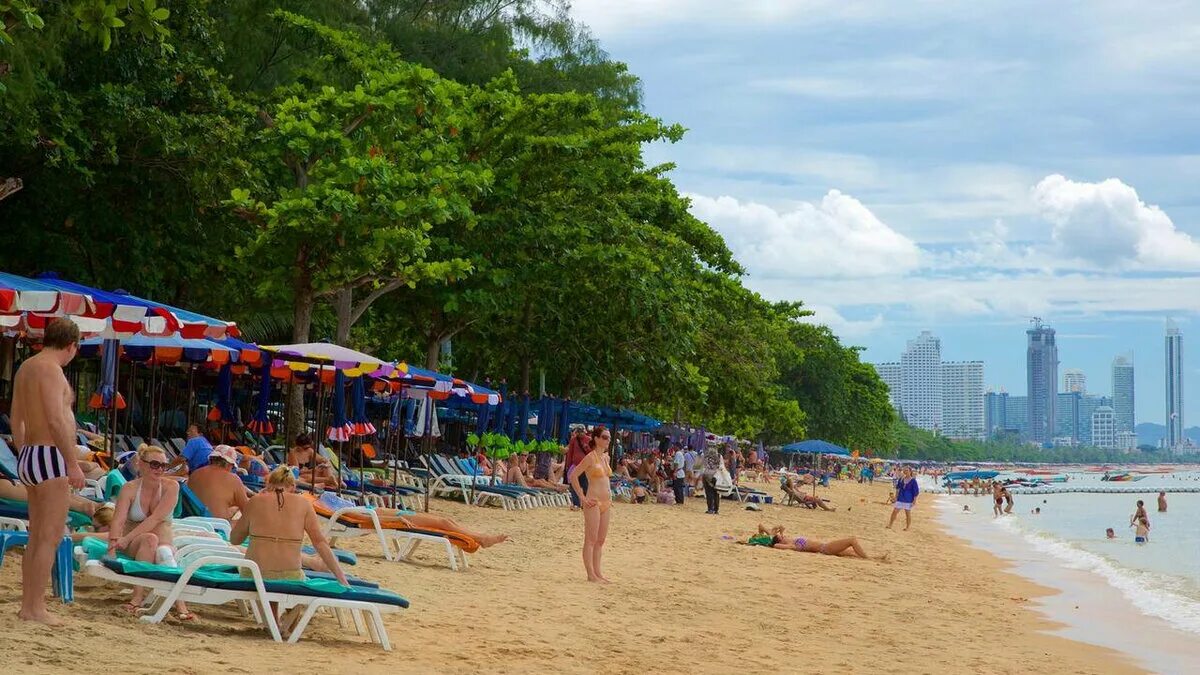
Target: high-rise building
{"x": 1122, "y": 394}
{"x": 1088, "y": 404}
{"x": 1074, "y": 380}
{"x": 1104, "y": 433}
{"x": 1174, "y": 354}
{"x": 1068, "y": 426}
{"x": 962, "y": 399}
{"x": 1018, "y": 415}
{"x": 921, "y": 382}
{"x": 890, "y": 374}
{"x": 995, "y": 412}
{"x": 1041, "y": 375}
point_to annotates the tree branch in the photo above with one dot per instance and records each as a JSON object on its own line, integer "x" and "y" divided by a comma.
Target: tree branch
{"x": 365, "y": 304}
{"x": 357, "y": 121}
{"x": 266, "y": 118}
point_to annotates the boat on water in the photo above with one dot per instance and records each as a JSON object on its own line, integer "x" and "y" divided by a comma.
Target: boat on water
{"x": 1121, "y": 477}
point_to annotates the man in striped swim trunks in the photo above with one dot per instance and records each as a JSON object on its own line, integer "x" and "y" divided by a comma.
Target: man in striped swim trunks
{"x": 43, "y": 423}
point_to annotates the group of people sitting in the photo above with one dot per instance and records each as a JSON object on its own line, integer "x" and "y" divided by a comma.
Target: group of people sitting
{"x": 273, "y": 520}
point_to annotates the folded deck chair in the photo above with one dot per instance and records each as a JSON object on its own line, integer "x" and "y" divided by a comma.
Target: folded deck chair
{"x": 397, "y": 540}
{"x": 207, "y": 580}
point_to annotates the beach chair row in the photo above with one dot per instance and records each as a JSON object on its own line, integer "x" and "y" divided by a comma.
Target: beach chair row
{"x": 448, "y": 477}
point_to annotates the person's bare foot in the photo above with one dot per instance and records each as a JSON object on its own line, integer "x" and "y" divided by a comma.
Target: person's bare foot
{"x": 488, "y": 542}
{"x": 603, "y": 579}
{"x": 42, "y": 617}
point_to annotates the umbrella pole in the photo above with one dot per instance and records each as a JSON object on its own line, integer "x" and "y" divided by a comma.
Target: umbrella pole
{"x": 426, "y": 436}
{"x": 191, "y": 394}
{"x": 317, "y": 414}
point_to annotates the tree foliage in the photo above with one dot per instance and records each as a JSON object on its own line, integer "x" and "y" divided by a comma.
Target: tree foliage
{"x": 400, "y": 175}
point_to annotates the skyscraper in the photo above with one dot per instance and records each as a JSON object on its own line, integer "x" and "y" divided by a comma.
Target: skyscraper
{"x": 1041, "y": 376}
{"x": 890, "y": 374}
{"x": 1074, "y": 381}
{"x": 1174, "y": 353}
{"x": 962, "y": 399}
{"x": 921, "y": 382}
{"x": 1122, "y": 393}
{"x": 995, "y": 412}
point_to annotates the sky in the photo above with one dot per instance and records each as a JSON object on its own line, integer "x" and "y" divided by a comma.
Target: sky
{"x": 945, "y": 166}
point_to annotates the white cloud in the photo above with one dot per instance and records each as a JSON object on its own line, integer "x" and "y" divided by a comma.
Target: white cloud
{"x": 837, "y": 237}
{"x": 842, "y": 327}
{"x": 1107, "y": 224}
{"x": 902, "y": 77}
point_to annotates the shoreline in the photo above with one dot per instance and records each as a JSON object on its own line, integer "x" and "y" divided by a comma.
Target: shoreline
{"x": 684, "y": 599}
{"x": 1084, "y": 604}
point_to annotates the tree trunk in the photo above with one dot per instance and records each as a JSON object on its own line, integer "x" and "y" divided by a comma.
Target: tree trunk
{"x": 302, "y": 311}
{"x": 343, "y": 306}
{"x": 433, "y": 352}
{"x": 526, "y": 370}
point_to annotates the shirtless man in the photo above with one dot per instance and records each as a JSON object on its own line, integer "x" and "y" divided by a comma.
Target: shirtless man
{"x": 216, "y": 486}
{"x": 42, "y": 423}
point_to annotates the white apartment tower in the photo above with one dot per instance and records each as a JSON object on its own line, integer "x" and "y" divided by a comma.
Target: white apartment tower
{"x": 962, "y": 399}
{"x": 890, "y": 374}
{"x": 921, "y": 382}
{"x": 1104, "y": 428}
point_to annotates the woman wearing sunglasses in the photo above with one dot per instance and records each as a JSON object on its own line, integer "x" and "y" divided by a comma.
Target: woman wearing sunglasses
{"x": 596, "y": 499}
{"x": 143, "y": 519}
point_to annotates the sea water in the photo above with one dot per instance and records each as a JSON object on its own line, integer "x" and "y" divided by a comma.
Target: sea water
{"x": 1065, "y": 546}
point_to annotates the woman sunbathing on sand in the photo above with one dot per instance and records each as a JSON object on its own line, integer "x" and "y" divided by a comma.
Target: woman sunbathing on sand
{"x": 775, "y": 538}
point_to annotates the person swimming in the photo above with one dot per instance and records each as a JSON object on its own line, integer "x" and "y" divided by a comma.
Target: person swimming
{"x": 1110, "y": 533}
{"x": 1141, "y": 531}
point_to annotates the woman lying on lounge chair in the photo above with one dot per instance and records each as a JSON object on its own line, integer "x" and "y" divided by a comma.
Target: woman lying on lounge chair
{"x": 16, "y": 492}
{"x": 775, "y": 538}
{"x": 791, "y": 489}
{"x": 520, "y": 472}
{"x": 422, "y": 521}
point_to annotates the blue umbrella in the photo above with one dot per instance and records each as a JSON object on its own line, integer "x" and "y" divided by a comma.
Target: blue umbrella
{"x": 339, "y": 429}
{"x": 815, "y": 447}
{"x": 359, "y": 422}
{"x": 262, "y": 423}
{"x": 564, "y": 425}
{"x": 106, "y": 392}
{"x": 224, "y": 410}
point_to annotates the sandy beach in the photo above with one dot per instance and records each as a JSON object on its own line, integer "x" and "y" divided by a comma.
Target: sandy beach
{"x": 683, "y": 600}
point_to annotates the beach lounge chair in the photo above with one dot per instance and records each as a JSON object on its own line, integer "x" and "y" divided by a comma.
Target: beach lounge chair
{"x": 397, "y": 541}
{"x": 211, "y": 580}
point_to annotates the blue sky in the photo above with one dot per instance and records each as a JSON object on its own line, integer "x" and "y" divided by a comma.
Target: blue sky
{"x": 949, "y": 166}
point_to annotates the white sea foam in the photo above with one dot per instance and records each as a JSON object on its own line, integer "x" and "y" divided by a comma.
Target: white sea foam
{"x": 1164, "y": 596}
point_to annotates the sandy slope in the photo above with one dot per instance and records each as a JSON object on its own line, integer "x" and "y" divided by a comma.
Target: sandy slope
{"x": 684, "y": 600}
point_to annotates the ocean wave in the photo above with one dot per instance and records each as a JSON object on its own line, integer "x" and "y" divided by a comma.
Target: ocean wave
{"x": 1150, "y": 592}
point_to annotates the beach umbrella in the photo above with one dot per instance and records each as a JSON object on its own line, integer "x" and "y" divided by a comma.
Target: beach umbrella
{"x": 261, "y": 423}
{"x": 223, "y": 411}
{"x": 523, "y": 427}
{"x": 339, "y": 430}
{"x": 358, "y": 419}
{"x": 564, "y": 424}
{"x": 106, "y": 391}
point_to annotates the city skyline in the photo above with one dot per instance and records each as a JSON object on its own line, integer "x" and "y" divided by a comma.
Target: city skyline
{"x": 931, "y": 393}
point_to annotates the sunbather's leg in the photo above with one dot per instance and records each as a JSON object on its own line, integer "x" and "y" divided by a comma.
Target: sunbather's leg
{"x": 848, "y": 546}
{"x": 313, "y": 562}
{"x": 598, "y": 544}
{"x": 145, "y": 549}
{"x": 47, "y": 515}
{"x": 450, "y": 525}
{"x": 591, "y": 528}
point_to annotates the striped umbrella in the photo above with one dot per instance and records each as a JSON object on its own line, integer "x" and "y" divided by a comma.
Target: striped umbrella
{"x": 359, "y": 423}
{"x": 261, "y": 423}
{"x": 339, "y": 429}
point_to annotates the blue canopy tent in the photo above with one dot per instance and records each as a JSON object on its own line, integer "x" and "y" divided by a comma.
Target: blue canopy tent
{"x": 815, "y": 447}
{"x": 818, "y": 449}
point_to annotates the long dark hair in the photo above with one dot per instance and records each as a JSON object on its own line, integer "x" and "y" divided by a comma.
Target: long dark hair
{"x": 597, "y": 432}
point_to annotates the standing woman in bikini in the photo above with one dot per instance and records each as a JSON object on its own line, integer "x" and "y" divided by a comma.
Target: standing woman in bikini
{"x": 143, "y": 520}
{"x": 597, "y": 500}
